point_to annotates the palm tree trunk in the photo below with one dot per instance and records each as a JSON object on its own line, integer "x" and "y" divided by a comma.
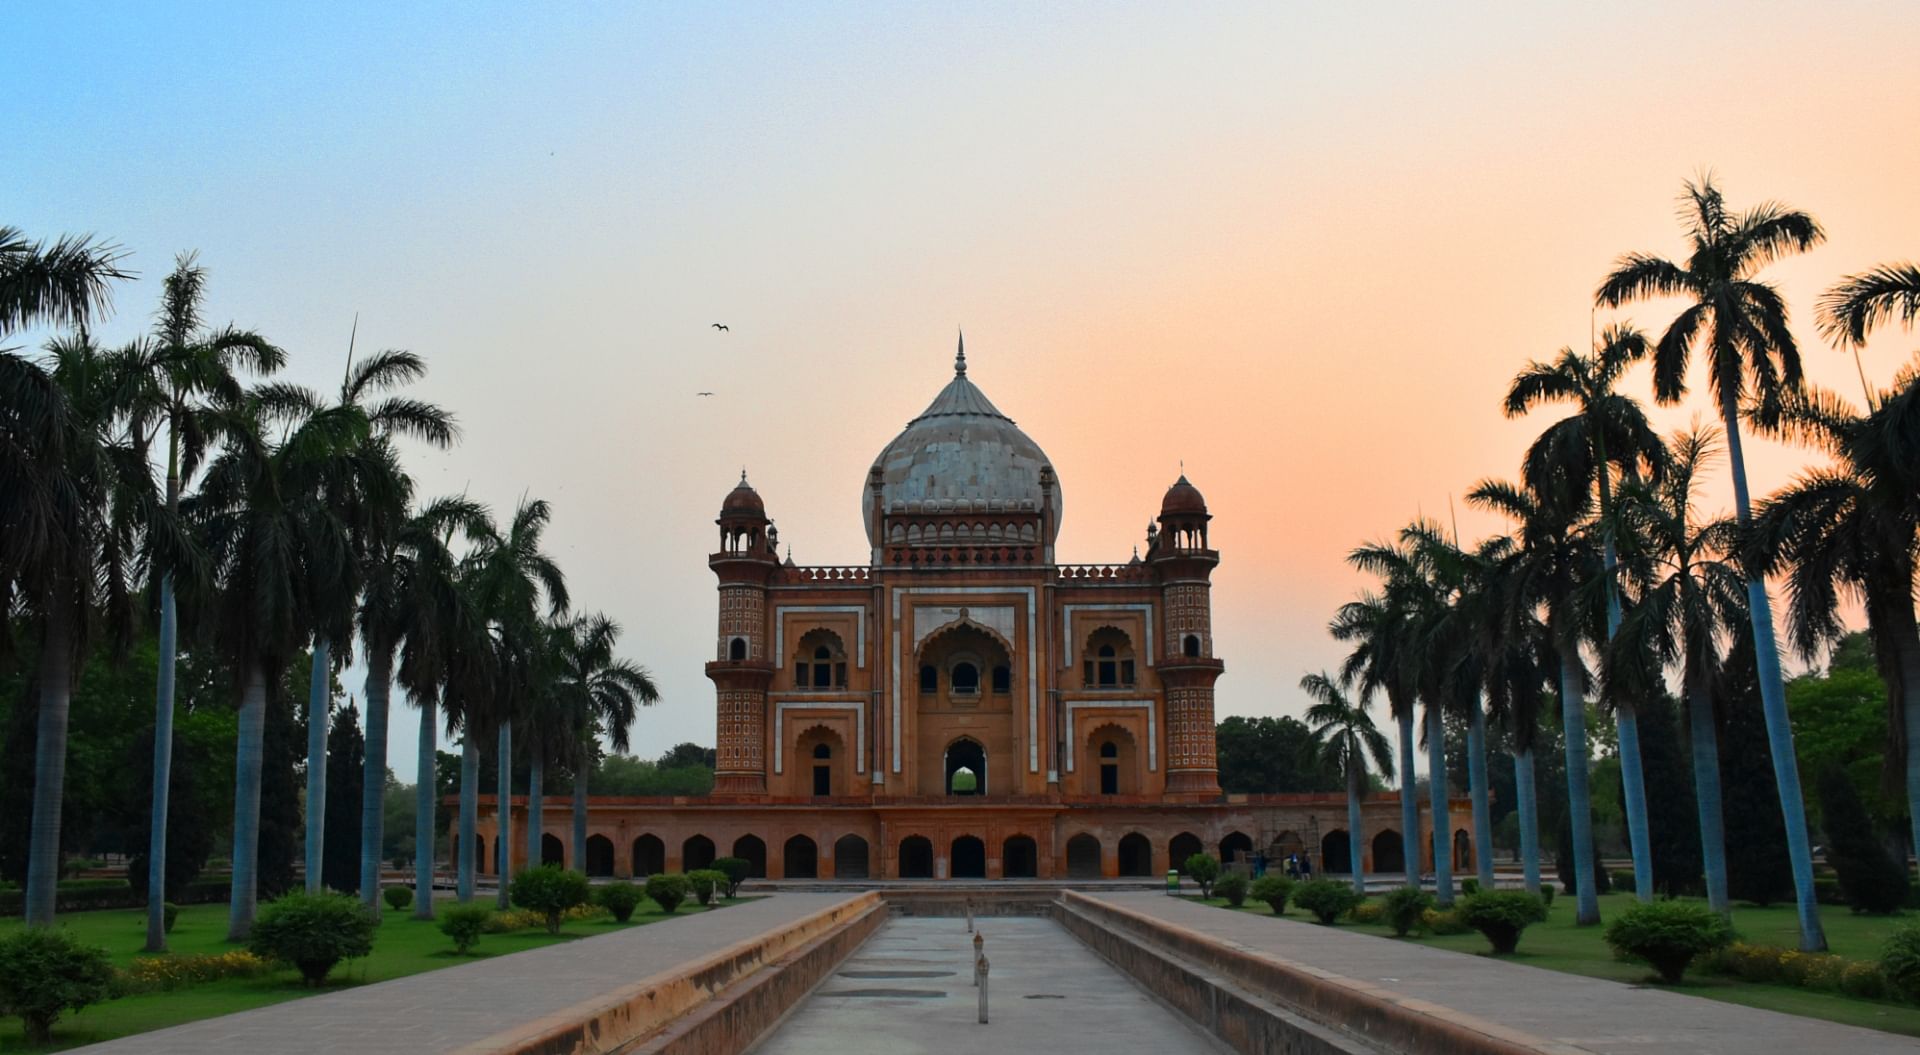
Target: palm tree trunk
{"x": 580, "y": 813}
{"x": 536, "y": 809}
{"x": 1437, "y": 794}
{"x": 1633, "y": 781}
{"x": 1409, "y": 802}
{"x": 319, "y": 710}
{"x": 1573, "y": 718}
{"x": 1477, "y": 787}
{"x": 469, "y": 817}
{"x": 50, "y": 760}
{"x": 1773, "y": 701}
{"x": 1909, "y": 659}
{"x": 1706, "y": 791}
{"x": 1633, "y": 785}
{"x": 1356, "y": 835}
{"x": 1528, "y": 805}
{"x": 249, "y": 755}
{"x": 503, "y": 795}
{"x": 162, "y": 770}
{"x": 373, "y": 787}
{"x": 424, "y": 832}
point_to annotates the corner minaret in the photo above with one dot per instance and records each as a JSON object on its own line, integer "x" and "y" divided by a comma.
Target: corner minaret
{"x": 1183, "y": 566}
{"x": 747, "y": 558}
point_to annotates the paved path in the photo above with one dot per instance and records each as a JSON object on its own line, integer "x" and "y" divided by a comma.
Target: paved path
{"x": 909, "y": 991}
{"x": 446, "y": 1009}
{"x": 1591, "y": 1014}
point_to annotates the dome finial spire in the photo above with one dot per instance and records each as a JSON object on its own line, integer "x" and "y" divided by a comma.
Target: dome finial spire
{"x": 960, "y": 358}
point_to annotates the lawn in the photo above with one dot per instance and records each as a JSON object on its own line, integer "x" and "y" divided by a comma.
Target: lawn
{"x": 1560, "y": 946}
{"x": 402, "y": 947}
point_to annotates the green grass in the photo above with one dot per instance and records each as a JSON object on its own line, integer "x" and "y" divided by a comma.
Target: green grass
{"x": 402, "y": 947}
{"x": 1559, "y": 945}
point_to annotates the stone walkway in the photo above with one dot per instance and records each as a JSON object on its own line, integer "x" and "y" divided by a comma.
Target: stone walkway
{"x": 1590, "y": 1014}
{"x": 909, "y": 991}
{"x": 448, "y": 1009}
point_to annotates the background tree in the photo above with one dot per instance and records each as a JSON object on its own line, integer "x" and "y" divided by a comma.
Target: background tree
{"x": 1375, "y": 626}
{"x": 346, "y": 757}
{"x": 66, "y": 283}
{"x": 1740, "y": 323}
{"x": 602, "y": 693}
{"x": 1344, "y": 738}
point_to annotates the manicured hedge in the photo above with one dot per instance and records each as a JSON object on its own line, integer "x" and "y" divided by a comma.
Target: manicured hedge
{"x": 85, "y": 895}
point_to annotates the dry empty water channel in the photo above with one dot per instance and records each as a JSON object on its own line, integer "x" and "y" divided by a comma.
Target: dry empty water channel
{"x": 909, "y": 990}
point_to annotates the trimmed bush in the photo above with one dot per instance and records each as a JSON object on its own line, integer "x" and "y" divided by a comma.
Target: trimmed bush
{"x": 620, "y": 899}
{"x": 1501, "y": 915}
{"x": 1546, "y": 893}
{"x": 150, "y": 973}
{"x": 397, "y": 897}
{"x": 737, "y": 870}
{"x": 169, "y": 915}
{"x": 1204, "y": 868}
{"x": 1327, "y": 899}
{"x": 1233, "y": 887}
{"x": 1367, "y": 912}
{"x": 1900, "y": 962}
{"x": 1406, "y": 909}
{"x": 44, "y": 972}
{"x": 668, "y": 890}
{"x": 1870, "y": 878}
{"x": 1443, "y": 922}
{"x": 1469, "y": 887}
{"x": 1668, "y": 935}
{"x": 1622, "y": 881}
{"x": 551, "y": 890}
{"x": 313, "y": 932}
{"x": 465, "y": 924}
{"x": 706, "y": 882}
{"x": 1273, "y": 890}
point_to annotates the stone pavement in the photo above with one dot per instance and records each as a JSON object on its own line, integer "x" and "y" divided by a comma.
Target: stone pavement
{"x": 1589, "y": 1014}
{"x": 909, "y": 991}
{"x": 450, "y": 1008}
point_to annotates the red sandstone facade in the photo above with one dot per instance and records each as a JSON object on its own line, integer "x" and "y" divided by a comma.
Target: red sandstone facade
{"x": 963, "y": 705}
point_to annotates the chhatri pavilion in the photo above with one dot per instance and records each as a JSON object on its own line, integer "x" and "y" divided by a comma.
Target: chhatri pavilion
{"x": 963, "y": 704}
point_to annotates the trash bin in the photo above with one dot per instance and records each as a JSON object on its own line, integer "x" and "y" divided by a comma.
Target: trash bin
{"x": 1173, "y": 881}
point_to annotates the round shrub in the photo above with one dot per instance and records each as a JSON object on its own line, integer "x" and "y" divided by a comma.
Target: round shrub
{"x": 1668, "y": 935}
{"x": 1444, "y": 922}
{"x": 1864, "y": 980}
{"x": 397, "y": 897}
{"x": 1501, "y": 915}
{"x": 1233, "y": 887}
{"x": 1546, "y": 894}
{"x": 169, "y": 914}
{"x": 1406, "y": 909}
{"x": 1469, "y": 887}
{"x": 705, "y": 882}
{"x": 668, "y": 890}
{"x": 313, "y": 932}
{"x": 1204, "y": 868}
{"x": 620, "y": 899}
{"x": 464, "y": 924}
{"x": 1274, "y": 890}
{"x": 1327, "y": 899}
{"x": 43, "y": 972}
{"x": 550, "y": 890}
{"x": 737, "y": 870}
{"x": 1900, "y": 961}
{"x": 1367, "y": 912}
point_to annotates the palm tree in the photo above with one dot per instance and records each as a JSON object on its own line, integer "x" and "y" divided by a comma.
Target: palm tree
{"x": 601, "y": 693}
{"x": 1850, "y": 310}
{"x": 379, "y": 517}
{"x": 1855, "y": 527}
{"x": 263, "y": 514}
{"x": 511, "y": 577}
{"x": 169, "y": 380}
{"x": 65, "y": 284}
{"x": 464, "y": 702}
{"x": 1608, "y": 430}
{"x": 74, "y": 496}
{"x": 1555, "y": 561}
{"x": 415, "y": 598}
{"x": 1514, "y": 645}
{"x": 1344, "y": 737}
{"x": 1691, "y": 593}
{"x": 1376, "y": 625}
{"x": 1741, "y": 324}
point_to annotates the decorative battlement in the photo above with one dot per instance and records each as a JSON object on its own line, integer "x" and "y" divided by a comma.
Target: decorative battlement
{"x": 1129, "y": 572}
{"x": 857, "y": 573}
{"x": 950, "y": 556}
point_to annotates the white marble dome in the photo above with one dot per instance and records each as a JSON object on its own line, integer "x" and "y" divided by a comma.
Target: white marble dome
{"x": 961, "y": 455}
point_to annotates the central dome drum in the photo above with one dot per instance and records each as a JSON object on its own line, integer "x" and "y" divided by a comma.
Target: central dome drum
{"x": 961, "y": 455}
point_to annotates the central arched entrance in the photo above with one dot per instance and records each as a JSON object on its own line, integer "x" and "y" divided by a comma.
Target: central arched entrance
{"x": 969, "y": 858}
{"x": 1083, "y": 857}
{"x": 599, "y": 855}
{"x": 849, "y": 857}
{"x": 800, "y": 858}
{"x": 966, "y": 765}
{"x": 916, "y": 857}
{"x": 1019, "y": 858}
{"x": 1136, "y": 855}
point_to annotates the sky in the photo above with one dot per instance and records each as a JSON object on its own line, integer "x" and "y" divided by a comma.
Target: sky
{"x": 1298, "y": 249}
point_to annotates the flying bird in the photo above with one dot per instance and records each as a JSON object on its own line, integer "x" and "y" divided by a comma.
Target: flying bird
{"x": 703, "y": 393}
{"x": 720, "y": 326}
